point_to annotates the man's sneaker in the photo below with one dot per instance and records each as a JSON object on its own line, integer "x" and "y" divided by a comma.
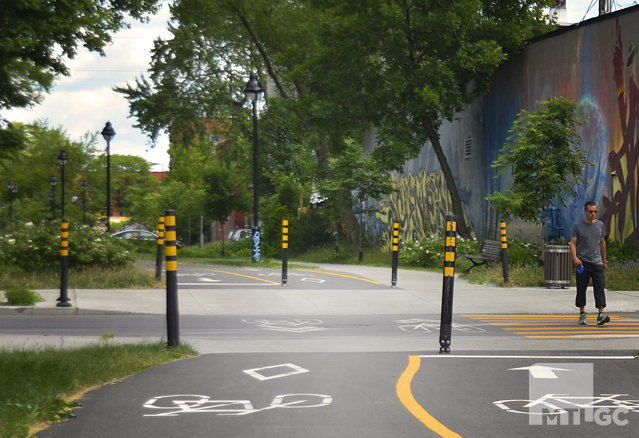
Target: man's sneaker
{"x": 602, "y": 319}
{"x": 582, "y": 319}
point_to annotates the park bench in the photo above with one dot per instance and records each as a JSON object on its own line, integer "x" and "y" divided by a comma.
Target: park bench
{"x": 491, "y": 252}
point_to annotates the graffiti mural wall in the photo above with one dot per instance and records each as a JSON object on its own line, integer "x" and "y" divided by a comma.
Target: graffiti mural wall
{"x": 594, "y": 63}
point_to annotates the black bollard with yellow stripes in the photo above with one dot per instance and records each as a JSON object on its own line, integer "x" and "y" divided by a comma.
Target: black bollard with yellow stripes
{"x": 172, "y": 314}
{"x": 395, "y": 260}
{"x": 445, "y": 329}
{"x": 284, "y": 251}
{"x": 504, "y": 251}
{"x": 160, "y": 241}
{"x": 63, "y": 300}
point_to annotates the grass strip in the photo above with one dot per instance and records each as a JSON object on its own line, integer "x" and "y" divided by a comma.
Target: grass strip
{"x": 39, "y": 386}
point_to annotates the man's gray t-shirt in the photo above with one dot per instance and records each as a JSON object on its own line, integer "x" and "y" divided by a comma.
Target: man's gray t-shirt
{"x": 589, "y": 241}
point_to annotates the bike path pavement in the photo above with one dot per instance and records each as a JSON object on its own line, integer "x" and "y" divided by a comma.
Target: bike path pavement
{"x": 416, "y": 292}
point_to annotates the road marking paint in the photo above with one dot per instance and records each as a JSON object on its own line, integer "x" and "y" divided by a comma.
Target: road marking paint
{"x": 227, "y": 284}
{"x": 242, "y": 275}
{"x": 255, "y": 372}
{"x": 338, "y": 275}
{"x": 405, "y": 395}
{"x": 559, "y": 326}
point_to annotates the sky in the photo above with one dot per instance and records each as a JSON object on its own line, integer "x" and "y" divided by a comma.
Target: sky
{"x": 85, "y": 101}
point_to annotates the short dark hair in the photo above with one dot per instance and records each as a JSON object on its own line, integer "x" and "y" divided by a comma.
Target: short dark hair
{"x": 589, "y": 204}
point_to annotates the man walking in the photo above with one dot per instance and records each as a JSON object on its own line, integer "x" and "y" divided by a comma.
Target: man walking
{"x": 588, "y": 250}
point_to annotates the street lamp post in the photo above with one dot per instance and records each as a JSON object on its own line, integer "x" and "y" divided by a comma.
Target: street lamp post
{"x": 52, "y": 182}
{"x": 51, "y": 205}
{"x": 108, "y": 133}
{"x": 254, "y": 92}
{"x": 63, "y": 159}
{"x": 85, "y": 186}
{"x": 13, "y": 189}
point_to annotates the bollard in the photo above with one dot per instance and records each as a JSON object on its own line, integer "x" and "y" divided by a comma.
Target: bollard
{"x": 445, "y": 328}
{"x": 284, "y": 251}
{"x": 504, "y": 252}
{"x": 395, "y": 254}
{"x": 172, "y": 314}
{"x": 158, "y": 259}
{"x": 63, "y": 300}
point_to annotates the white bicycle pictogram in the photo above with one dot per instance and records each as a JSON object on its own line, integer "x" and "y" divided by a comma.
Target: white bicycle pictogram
{"x": 175, "y": 405}
{"x": 553, "y": 404}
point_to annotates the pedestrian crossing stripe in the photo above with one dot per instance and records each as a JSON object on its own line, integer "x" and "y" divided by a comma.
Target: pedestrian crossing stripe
{"x": 561, "y": 326}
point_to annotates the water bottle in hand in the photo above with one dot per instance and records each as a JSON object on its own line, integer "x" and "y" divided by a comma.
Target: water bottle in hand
{"x": 580, "y": 269}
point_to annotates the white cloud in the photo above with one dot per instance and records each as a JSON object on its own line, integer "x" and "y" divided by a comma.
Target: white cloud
{"x": 85, "y": 101}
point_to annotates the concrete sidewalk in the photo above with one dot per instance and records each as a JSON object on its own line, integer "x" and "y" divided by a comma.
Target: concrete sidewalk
{"x": 417, "y": 292}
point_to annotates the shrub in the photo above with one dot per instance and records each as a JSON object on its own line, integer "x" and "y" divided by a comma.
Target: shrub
{"x": 429, "y": 252}
{"x": 38, "y": 248}
{"x": 622, "y": 252}
{"x": 21, "y": 296}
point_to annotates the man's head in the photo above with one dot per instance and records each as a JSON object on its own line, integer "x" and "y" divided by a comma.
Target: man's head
{"x": 590, "y": 209}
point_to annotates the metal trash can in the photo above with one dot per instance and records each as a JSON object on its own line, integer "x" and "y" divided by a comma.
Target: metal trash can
{"x": 557, "y": 266}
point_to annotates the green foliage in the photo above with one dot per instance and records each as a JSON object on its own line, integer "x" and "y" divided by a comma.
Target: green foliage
{"x": 128, "y": 277}
{"x": 429, "y": 252}
{"x": 21, "y": 296}
{"x": 37, "y": 37}
{"x": 623, "y": 275}
{"x": 34, "y": 384}
{"x": 225, "y": 193}
{"x": 622, "y": 252}
{"x": 38, "y": 248}
{"x": 545, "y": 159}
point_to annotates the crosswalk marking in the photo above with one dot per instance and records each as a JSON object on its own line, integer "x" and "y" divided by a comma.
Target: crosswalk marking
{"x": 561, "y": 326}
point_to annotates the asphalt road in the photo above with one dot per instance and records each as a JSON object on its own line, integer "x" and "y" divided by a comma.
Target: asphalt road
{"x": 363, "y": 395}
{"x": 354, "y": 375}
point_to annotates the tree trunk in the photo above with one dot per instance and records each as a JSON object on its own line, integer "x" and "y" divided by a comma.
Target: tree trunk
{"x": 433, "y": 136}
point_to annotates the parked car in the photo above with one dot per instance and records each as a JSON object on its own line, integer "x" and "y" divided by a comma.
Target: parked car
{"x": 240, "y": 234}
{"x": 140, "y": 235}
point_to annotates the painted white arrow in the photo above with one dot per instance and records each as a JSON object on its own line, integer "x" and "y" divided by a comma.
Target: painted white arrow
{"x": 209, "y": 279}
{"x": 541, "y": 372}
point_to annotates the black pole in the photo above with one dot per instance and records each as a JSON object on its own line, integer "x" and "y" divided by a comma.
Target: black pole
{"x": 158, "y": 260}
{"x": 256, "y": 229}
{"x": 284, "y": 251}
{"x": 504, "y": 252}
{"x": 63, "y": 300}
{"x": 108, "y": 186}
{"x": 172, "y": 313}
{"x": 445, "y": 329}
{"x": 395, "y": 254}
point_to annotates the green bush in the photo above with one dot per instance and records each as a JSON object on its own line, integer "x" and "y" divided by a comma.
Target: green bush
{"x": 38, "y": 248}
{"x": 523, "y": 253}
{"x": 622, "y": 252}
{"x": 21, "y": 296}
{"x": 429, "y": 252}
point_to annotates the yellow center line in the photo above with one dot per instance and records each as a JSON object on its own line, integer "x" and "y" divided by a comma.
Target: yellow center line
{"x": 242, "y": 275}
{"x": 338, "y": 275}
{"x": 405, "y": 395}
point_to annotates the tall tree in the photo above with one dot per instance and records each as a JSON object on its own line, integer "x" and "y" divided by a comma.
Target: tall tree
{"x": 225, "y": 193}
{"x": 412, "y": 64}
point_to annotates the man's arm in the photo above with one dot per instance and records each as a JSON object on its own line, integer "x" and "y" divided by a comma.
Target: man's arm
{"x": 573, "y": 251}
{"x": 603, "y": 253}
